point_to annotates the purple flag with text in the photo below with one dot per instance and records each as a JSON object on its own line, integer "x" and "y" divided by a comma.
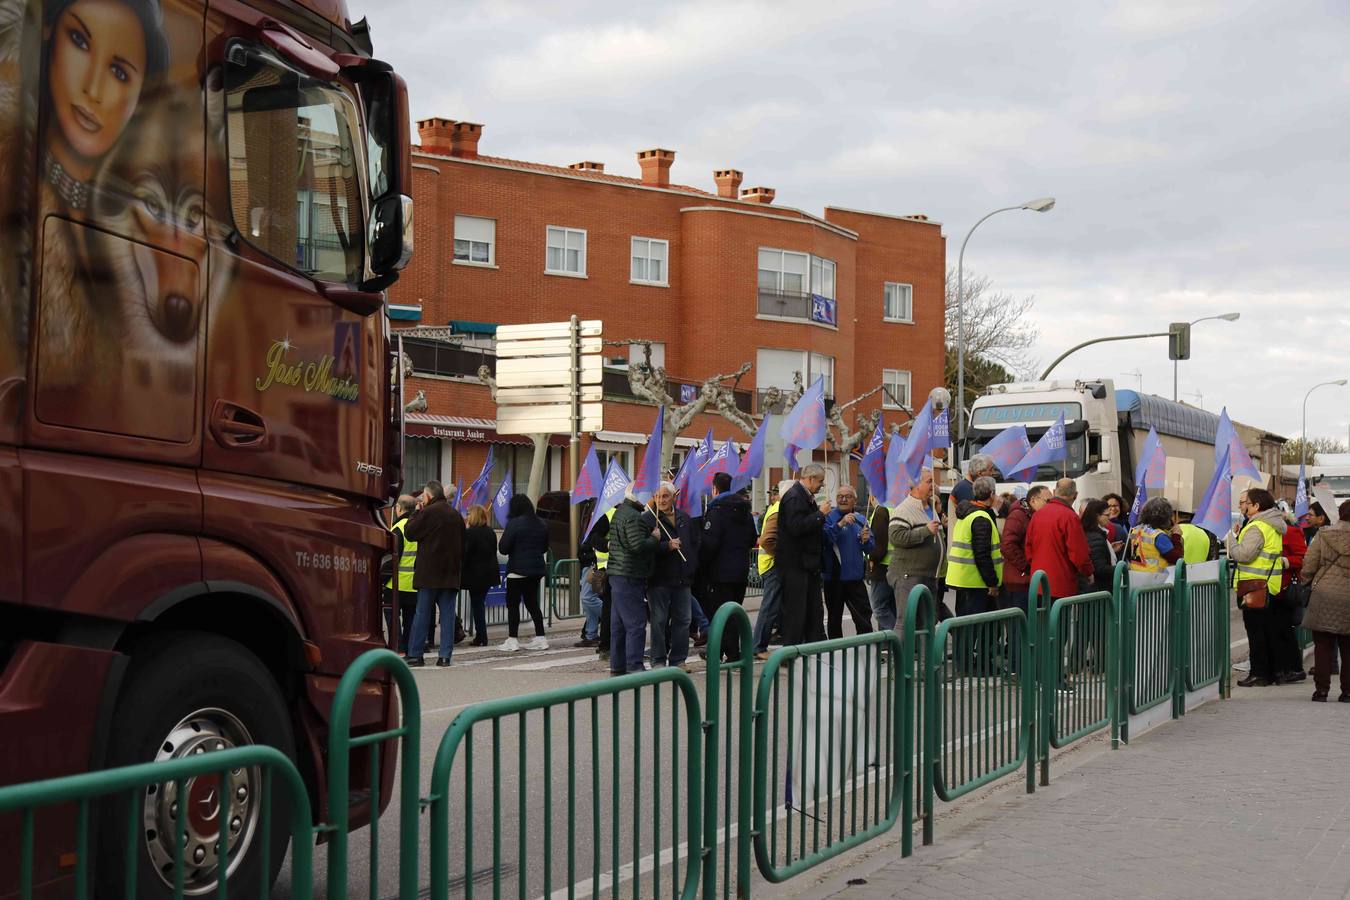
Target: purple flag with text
{"x": 1149, "y": 475}
{"x": 873, "y": 463}
{"x": 457, "y": 501}
{"x": 1301, "y": 503}
{"x": 1214, "y": 513}
{"x": 611, "y": 494}
{"x": 699, "y": 482}
{"x": 941, "y": 436}
{"x": 1007, "y": 447}
{"x": 478, "y": 491}
{"x": 898, "y": 480}
{"x": 804, "y": 427}
{"x": 1050, "y": 447}
{"x": 752, "y": 464}
{"x": 649, "y": 473}
{"x": 915, "y": 451}
{"x": 501, "y": 503}
{"x": 1226, "y": 438}
{"x": 588, "y": 480}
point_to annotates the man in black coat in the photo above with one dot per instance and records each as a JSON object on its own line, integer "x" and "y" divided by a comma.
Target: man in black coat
{"x": 724, "y": 554}
{"x": 801, "y": 525}
{"x": 438, "y": 529}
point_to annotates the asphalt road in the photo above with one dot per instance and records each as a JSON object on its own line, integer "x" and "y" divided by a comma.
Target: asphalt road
{"x": 619, "y": 770}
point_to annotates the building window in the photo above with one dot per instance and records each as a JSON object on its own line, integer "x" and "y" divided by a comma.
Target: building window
{"x": 822, "y": 277}
{"x": 899, "y": 302}
{"x": 622, "y": 455}
{"x": 796, "y": 286}
{"x": 476, "y": 240}
{"x": 778, "y": 368}
{"x": 566, "y": 251}
{"x": 421, "y": 463}
{"x": 649, "y": 261}
{"x": 895, "y": 384}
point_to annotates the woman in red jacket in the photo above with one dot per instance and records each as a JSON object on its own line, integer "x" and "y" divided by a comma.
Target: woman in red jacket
{"x": 1287, "y": 652}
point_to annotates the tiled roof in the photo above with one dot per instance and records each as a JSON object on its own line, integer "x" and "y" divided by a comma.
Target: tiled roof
{"x": 563, "y": 170}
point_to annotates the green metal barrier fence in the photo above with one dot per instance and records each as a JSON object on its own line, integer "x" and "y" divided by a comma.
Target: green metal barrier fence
{"x": 613, "y": 761}
{"x": 980, "y": 713}
{"x": 564, "y": 589}
{"x": 197, "y": 779}
{"x": 634, "y": 780}
{"x": 828, "y": 750}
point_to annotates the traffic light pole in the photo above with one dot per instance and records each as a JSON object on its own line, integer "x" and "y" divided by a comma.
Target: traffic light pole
{"x": 1101, "y": 340}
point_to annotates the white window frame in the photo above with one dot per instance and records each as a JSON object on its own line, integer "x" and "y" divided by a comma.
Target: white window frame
{"x": 810, "y": 365}
{"x": 805, "y": 272}
{"x": 819, "y": 266}
{"x": 633, "y": 257}
{"x": 566, "y": 233}
{"x": 814, "y": 360}
{"x": 885, "y": 302}
{"x": 491, "y": 244}
{"x": 891, "y": 378}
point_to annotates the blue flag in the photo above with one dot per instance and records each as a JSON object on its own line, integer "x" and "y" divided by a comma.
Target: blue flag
{"x": 698, "y": 481}
{"x": 898, "y": 480}
{"x": 804, "y": 427}
{"x": 1150, "y": 474}
{"x": 1301, "y": 496}
{"x": 752, "y": 464}
{"x": 873, "y": 463}
{"x": 649, "y": 473}
{"x": 1215, "y": 510}
{"x": 941, "y": 437}
{"x": 915, "y": 451}
{"x": 478, "y": 490}
{"x": 1008, "y": 447}
{"x": 501, "y": 503}
{"x": 611, "y": 494}
{"x": 706, "y": 449}
{"x": 588, "y": 479}
{"x": 1050, "y": 447}
{"x": 458, "y": 500}
{"x": 1226, "y": 438}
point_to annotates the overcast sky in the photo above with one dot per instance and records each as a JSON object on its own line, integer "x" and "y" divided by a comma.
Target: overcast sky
{"x": 1198, "y": 149}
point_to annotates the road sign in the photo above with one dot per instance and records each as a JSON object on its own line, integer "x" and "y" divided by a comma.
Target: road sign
{"x": 546, "y": 372}
{"x": 548, "y": 418}
{"x": 515, "y": 396}
{"x": 549, "y": 347}
{"x": 538, "y": 330}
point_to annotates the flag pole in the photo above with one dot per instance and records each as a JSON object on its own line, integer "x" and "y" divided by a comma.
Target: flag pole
{"x": 659, "y": 524}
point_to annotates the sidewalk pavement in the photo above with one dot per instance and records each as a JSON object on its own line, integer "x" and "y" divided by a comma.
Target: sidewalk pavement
{"x": 1248, "y": 797}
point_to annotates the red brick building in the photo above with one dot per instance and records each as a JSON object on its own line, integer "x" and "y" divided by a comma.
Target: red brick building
{"x": 714, "y": 278}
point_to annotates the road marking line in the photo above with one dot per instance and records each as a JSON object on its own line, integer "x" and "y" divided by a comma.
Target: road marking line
{"x": 550, "y": 663}
{"x": 507, "y": 657}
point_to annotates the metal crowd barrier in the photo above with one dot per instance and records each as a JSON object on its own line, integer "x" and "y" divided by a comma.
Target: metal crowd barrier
{"x": 824, "y": 747}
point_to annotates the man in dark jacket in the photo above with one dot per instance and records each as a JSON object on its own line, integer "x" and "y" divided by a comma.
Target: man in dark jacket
{"x": 632, "y": 550}
{"x": 438, "y": 529}
{"x": 801, "y": 527}
{"x": 848, "y": 540}
{"x": 1013, "y": 545}
{"x": 668, "y": 596}
{"x": 724, "y": 554}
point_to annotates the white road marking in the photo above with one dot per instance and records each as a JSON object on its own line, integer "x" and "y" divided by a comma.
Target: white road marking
{"x": 590, "y": 657}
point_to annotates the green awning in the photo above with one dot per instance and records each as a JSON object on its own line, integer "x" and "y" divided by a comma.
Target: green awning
{"x": 405, "y": 313}
{"x": 460, "y": 326}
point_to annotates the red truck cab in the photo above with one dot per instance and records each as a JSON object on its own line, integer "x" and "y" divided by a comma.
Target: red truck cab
{"x": 201, "y": 204}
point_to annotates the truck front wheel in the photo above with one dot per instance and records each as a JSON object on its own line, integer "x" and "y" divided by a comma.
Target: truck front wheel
{"x": 189, "y": 694}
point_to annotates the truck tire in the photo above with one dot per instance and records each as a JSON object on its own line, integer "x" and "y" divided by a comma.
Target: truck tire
{"x": 188, "y": 693}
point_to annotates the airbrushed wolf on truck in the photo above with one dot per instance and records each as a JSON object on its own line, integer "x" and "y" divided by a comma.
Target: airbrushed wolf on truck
{"x": 201, "y": 204}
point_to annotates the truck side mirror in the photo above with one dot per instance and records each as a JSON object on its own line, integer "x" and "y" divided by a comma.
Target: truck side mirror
{"x": 390, "y": 239}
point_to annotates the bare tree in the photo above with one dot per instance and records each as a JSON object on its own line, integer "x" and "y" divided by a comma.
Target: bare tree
{"x": 998, "y": 333}
{"x": 848, "y": 440}
{"x": 1291, "y": 454}
{"x": 648, "y": 382}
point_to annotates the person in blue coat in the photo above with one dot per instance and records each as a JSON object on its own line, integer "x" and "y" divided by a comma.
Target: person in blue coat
{"x": 847, "y": 541}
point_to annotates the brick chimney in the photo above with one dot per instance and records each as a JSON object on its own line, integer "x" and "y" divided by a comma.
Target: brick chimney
{"x": 587, "y": 165}
{"x": 464, "y": 139}
{"x": 656, "y": 166}
{"x": 435, "y": 134}
{"x": 728, "y": 182}
{"x": 758, "y": 195}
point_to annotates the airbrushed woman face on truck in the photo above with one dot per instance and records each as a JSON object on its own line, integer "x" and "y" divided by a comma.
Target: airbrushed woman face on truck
{"x": 100, "y": 53}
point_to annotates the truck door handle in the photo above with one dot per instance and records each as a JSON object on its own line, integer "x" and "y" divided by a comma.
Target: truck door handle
{"x": 233, "y": 425}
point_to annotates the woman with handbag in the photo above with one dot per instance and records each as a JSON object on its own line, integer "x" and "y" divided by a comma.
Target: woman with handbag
{"x": 1287, "y": 609}
{"x": 1327, "y": 570}
{"x": 1255, "y": 546}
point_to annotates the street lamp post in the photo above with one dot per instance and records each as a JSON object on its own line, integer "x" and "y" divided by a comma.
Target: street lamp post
{"x": 1227, "y": 317}
{"x": 1303, "y": 457}
{"x": 1044, "y": 204}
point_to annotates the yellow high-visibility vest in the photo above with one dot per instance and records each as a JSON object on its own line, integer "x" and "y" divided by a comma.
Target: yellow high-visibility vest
{"x": 405, "y": 561}
{"x": 1143, "y": 550}
{"x": 602, "y": 556}
{"x": 885, "y": 538}
{"x": 1268, "y": 565}
{"x": 961, "y": 569}
{"x": 765, "y": 560}
{"x": 1194, "y": 544}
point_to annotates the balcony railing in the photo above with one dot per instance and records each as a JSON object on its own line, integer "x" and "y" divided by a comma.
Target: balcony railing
{"x": 797, "y": 305}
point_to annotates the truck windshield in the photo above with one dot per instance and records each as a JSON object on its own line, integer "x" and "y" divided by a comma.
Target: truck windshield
{"x": 296, "y": 166}
{"x": 1073, "y": 467}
